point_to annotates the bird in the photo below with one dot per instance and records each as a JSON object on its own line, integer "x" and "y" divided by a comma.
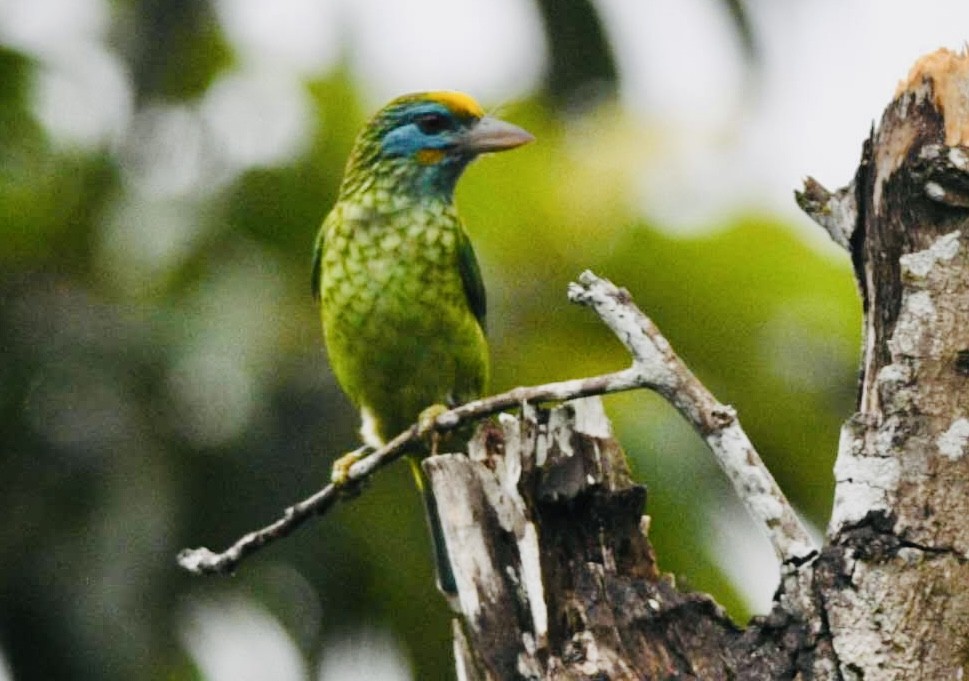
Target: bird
{"x": 402, "y": 301}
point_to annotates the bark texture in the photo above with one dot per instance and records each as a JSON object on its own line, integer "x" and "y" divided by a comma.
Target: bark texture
{"x": 556, "y": 576}
{"x": 899, "y": 524}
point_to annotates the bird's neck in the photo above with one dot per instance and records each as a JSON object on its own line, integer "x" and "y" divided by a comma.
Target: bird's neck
{"x": 405, "y": 179}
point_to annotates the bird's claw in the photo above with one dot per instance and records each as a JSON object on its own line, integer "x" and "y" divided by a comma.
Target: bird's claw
{"x": 425, "y": 422}
{"x": 425, "y": 425}
{"x": 340, "y": 472}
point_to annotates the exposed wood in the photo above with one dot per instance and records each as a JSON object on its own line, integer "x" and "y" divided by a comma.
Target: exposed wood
{"x": 556, "y": 576}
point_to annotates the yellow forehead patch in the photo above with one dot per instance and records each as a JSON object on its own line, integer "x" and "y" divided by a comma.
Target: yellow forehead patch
{"x": 458, "y": 102}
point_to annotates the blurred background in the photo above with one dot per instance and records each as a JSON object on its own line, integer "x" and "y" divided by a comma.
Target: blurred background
{"x": 164, "y": 165}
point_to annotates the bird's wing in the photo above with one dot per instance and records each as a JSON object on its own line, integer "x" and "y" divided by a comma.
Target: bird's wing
{"x": 317, "y": 265}
{"x": 471, "y": 278}
{"x": 318, "y": 252}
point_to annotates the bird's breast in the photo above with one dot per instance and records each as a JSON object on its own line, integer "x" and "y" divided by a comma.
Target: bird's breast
{"x": 399, "y": 330}
{"x": 395, "y": 267}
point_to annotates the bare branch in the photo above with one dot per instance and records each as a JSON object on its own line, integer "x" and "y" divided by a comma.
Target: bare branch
{"x": 655, "y": 366}
{"x": 836, "y": 211}
{"x": 204, "y": 561}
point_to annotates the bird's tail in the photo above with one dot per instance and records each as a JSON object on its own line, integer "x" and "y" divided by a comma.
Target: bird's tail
{"x": 445, "y": 575}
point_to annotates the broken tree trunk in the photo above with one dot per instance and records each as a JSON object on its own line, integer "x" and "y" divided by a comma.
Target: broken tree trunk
{"x": 556, "y": 577}
{"x": 897, "y": 593}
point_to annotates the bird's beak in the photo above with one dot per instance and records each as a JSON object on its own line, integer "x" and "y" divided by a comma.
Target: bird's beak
{"x": 493, "y": 134}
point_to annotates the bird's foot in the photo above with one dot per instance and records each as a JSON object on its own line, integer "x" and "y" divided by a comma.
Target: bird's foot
{"x": 425, "y": 425}
{"x": 340, "y": 473}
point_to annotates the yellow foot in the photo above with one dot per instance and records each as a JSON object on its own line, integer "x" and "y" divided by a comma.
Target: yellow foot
{"x": 425, "y": 424}
{"x": 426, "y": 420}
{"x": 340, "y": 472}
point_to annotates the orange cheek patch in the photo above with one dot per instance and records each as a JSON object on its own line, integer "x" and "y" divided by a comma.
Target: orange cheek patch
{"x": 429, "y": 157}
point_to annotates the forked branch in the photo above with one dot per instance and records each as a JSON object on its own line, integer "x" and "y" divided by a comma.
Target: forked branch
{"x": 655, "y": 366}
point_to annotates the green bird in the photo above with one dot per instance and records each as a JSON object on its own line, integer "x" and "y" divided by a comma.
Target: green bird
{"x": 401, "y": 296}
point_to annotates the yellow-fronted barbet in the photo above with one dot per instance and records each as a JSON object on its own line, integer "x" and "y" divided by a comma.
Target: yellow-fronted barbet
{"x": 400, "y": 291}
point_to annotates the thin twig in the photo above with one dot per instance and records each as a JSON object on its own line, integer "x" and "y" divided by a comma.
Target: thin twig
{"x": 205, "y": 561}
{"x": 655, "y": 366}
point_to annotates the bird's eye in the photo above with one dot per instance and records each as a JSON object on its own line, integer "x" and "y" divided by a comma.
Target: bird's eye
{"x": 433, "y": 123}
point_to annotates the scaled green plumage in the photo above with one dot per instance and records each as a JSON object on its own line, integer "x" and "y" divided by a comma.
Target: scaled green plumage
{"x": 402, "y": 301}
{"x": 398, "y": 318}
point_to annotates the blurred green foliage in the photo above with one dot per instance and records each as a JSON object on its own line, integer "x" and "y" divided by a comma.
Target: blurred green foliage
{"x": 150, "y": 403}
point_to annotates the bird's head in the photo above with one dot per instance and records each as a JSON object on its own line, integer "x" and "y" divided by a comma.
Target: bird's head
{"x": 420, "y": 143}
